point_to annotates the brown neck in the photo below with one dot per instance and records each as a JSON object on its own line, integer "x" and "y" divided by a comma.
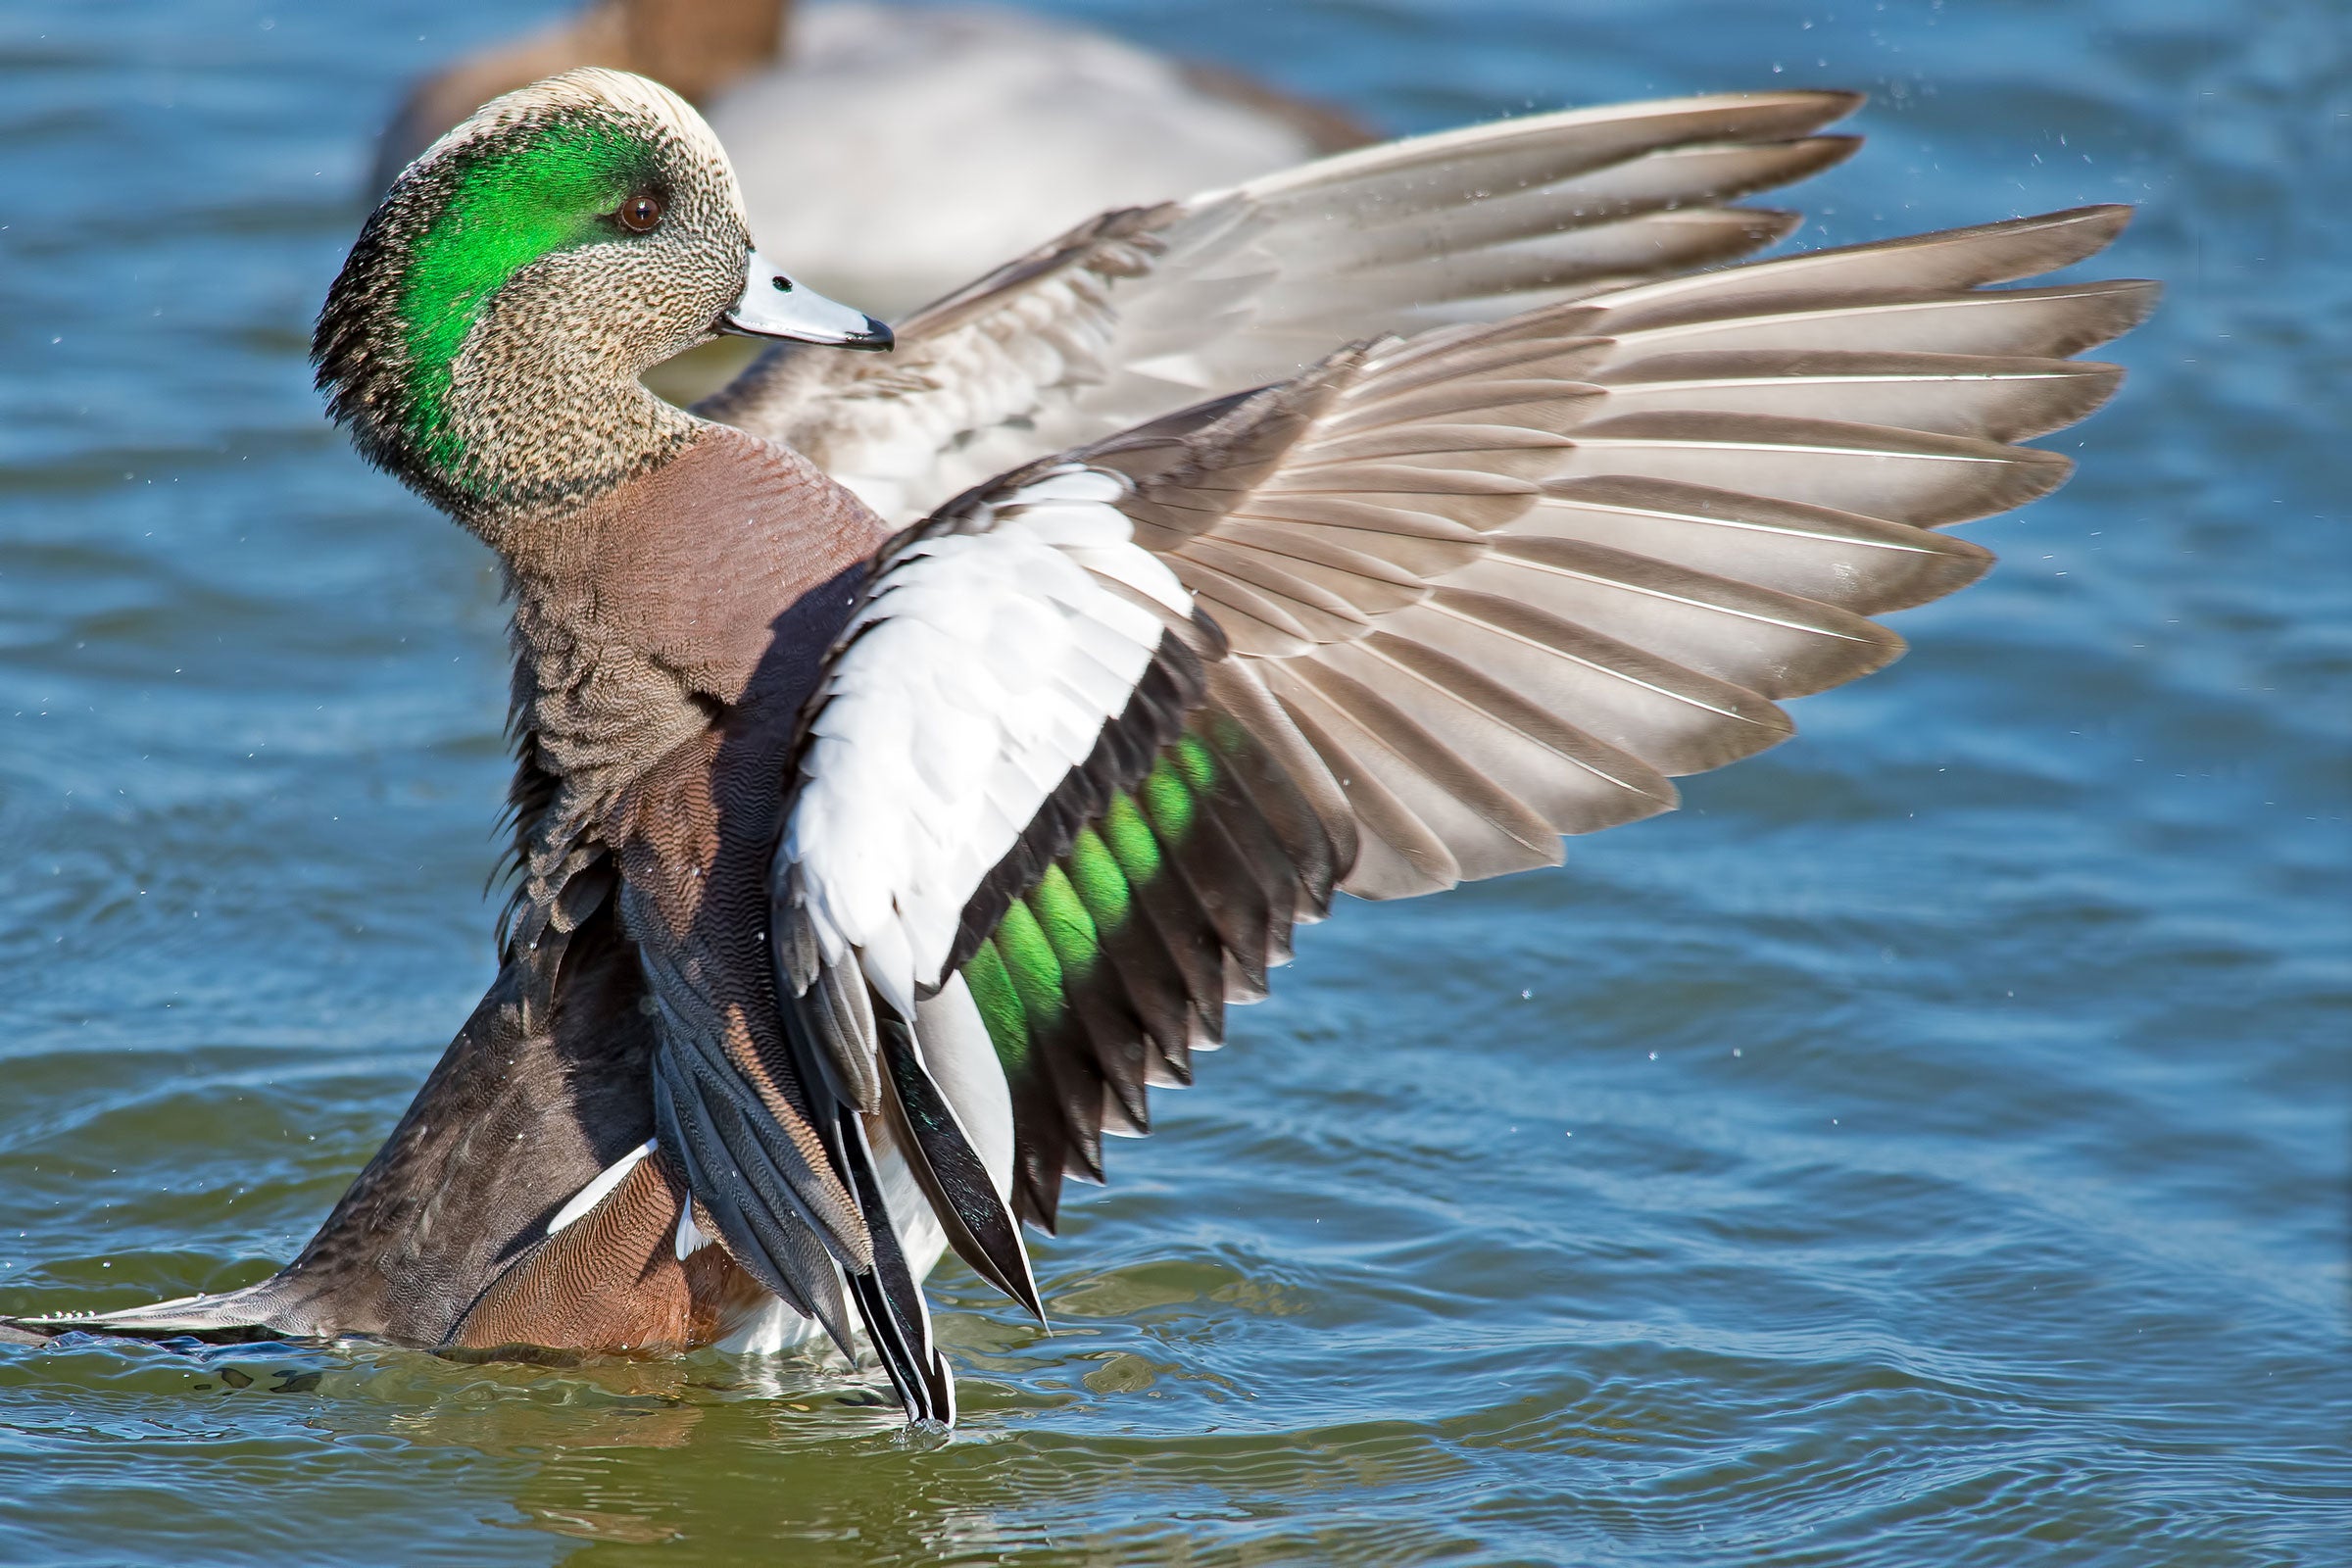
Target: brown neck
{"x": 644, "y": 611}
{"x": 545, "y": 429}
{"x": 692, "y": 555}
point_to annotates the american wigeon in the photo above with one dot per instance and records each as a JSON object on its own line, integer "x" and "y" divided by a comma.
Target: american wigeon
{"x": 913, "y": 766}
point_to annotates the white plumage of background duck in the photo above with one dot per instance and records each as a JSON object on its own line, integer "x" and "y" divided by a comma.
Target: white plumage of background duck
{"x": 898, "y": 151}
{"x": 915, "y": 766}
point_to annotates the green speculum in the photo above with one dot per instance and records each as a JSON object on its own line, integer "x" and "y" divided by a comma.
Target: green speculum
{"x": 1048, "y": 941}
{"x": 513, "y": 206}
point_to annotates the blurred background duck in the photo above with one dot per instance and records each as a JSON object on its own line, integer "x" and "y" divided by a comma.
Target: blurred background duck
{"x": 898, "y": 152}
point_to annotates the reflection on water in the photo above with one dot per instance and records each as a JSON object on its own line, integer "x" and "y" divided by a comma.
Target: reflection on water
{"x": 1926, "y": 1149}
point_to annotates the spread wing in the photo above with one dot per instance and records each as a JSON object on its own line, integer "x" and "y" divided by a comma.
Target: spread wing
{"x": 1103, "y": 732}
{"x": 1149, "y": 309}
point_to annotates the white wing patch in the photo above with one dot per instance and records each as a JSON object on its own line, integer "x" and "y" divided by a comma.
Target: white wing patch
{"x": 982, "y": 670}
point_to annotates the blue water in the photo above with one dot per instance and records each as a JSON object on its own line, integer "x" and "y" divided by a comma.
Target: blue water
{"x": 1928, "y": 1147}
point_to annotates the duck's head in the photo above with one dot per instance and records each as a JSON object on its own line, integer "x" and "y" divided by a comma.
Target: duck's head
{"x": 484, "y": 340}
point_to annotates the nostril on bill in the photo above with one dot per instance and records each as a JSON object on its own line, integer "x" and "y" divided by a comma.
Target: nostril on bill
{"x": 782, "y": 283}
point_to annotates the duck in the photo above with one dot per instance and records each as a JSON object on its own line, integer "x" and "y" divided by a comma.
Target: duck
{"x": 872, "y": 140}
{"x": 924, "y": 742}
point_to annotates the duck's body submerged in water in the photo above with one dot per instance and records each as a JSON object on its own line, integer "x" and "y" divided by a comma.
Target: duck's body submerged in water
{"x": 913, "y": 768}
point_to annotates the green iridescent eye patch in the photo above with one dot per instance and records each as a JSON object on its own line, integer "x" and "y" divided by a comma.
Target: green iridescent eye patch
{"x": 547, "y": 189}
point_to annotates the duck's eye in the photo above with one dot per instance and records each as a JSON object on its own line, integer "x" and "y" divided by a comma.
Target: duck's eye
{"x": 640, "y": 212}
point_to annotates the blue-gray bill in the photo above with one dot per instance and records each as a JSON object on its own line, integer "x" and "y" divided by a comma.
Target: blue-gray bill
{"x": 773, "y": 306}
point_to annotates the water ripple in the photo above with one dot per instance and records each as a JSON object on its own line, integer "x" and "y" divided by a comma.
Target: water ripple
{"x": 1926, "y": 1148}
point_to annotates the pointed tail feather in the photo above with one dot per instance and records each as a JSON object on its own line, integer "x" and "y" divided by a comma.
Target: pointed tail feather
{"x": 897, "y": 1320}
{"x": 948, "y": 1169}
{"x": 228, "y": 1317}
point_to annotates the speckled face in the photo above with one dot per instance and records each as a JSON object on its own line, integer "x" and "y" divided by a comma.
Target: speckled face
{"x": 519, "y": 278}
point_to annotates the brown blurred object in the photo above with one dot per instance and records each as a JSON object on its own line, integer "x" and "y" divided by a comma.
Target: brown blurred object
{"x": 700, "y": 48}
{"x": 696, "y": 47}
{"x": 1329, "y": 128}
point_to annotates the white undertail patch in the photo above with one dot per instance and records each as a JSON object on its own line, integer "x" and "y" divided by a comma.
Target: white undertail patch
{"x": 691, "y": 1238}
{"x": 595, "y": 1192}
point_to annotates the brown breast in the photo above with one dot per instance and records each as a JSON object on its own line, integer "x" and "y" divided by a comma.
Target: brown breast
{"x": 695, "y": 563}
{"x": 677, "y": 627}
